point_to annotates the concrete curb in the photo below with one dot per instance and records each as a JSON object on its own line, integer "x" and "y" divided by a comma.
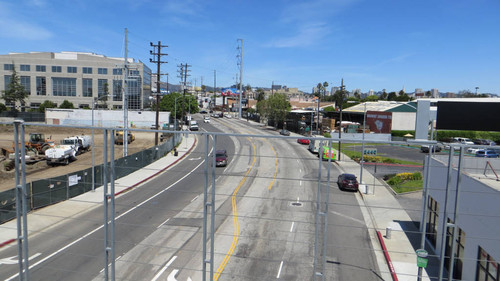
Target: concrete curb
{"x": 387, "y": 257}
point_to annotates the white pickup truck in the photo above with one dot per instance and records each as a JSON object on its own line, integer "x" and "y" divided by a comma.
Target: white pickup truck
{"x": 60, "y": 154}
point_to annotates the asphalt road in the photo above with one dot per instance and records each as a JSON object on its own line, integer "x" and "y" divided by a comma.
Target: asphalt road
{"x": 264, "y": 221}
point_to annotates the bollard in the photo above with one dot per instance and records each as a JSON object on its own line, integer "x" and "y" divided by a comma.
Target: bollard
{"x": 388, "y": 232}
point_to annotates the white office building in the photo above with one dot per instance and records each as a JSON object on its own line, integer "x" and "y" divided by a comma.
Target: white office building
{"x": 78, "y": 78}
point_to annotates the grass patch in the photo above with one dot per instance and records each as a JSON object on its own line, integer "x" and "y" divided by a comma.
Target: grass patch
{"x": 405, "y": 182}
{"x": 356, "y": 156}
{"x": 408, "y": 186}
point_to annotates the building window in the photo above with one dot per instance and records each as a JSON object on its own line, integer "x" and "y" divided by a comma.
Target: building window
{"x": 6, "y": 80}
{"x": 458, "y": 256}
{"x": 35, "y": 105}
{"x": 102, "y": 70}
{"x": 432, "y": 221}
{"x": 117, "y": 90}
{"x": 71, "y": 69}
{"x": 8, "y": 66}
{"x": 87, "y": 87}
{"x": 25, "y": 82}
{"x": 25, "y": 67}
{"x": 102, "y": 87}
{"x": 487, "y": 267}
{"x": 41, "y": 86}
{"x": 117, "y": 71}
{"x": 63, "y": 86}
{"x": 41, "y": 68}
{"x": 56, "y": 68}
{"x": 87, "y": 70}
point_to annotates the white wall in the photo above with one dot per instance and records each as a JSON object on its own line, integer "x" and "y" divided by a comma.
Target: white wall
{"x": 403, "y": 120}
{"x": 103, "y": 118}
{"x": 478, "y": 212}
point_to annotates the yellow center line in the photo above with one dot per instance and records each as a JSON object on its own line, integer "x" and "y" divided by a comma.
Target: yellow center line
{"x": 235, "y": 219}
{"x": 276, "y": 169}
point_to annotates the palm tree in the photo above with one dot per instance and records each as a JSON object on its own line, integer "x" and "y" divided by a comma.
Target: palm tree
{"x": 325, "y": 85}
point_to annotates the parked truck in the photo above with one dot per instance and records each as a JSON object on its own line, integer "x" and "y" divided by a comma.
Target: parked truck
{"x": 81, "y": 143}
{"x": 60, "y": 154}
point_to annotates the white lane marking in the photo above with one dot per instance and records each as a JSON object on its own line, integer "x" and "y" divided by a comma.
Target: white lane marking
{"x": 163, "y": 223}
{"x": 194, "y": 198}
{"x": 15, "y": 260}
{"x": 198, "y": 158}
{"x": 300, "y": 182}
{"x": 164, "y": 268}
{"x": 300, "y": 170}
{"x": 171, "y": 276}
{"x": 279, "y": 270}
{"x": 291, "y": 228}
{"x": 347, "y": 217}
{"x": 98, "y": 228}
{"x": 297, "y": 199}
{"x": 298, "y": 161}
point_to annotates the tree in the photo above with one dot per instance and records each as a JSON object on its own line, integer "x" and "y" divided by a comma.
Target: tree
{"x": 320, "y": 89}
{"x": 383, "y": 96}
{"x": 262, "y": 108}
{"x": 278, "y": 107}
{"x": 329, "y": 109}
{"x": 260, "y": 95}
{"x": 66, "y": 104}
{"x": 14, "y": 91}
{"x": 428, "y": 93}
{"x": 391, "y": 96}
{"x": 168, "y": 103}
{"x": 3, "y": 107}
{"x": 339, "y": 98}
{"x": 372, "y": 98}
{"x": 325, "y": 85}
{"x": 46, "y": 104}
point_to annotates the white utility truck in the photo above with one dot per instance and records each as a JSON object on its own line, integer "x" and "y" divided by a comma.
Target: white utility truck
{"x": 81, "y": 143}
{"x": 60, "y": 154}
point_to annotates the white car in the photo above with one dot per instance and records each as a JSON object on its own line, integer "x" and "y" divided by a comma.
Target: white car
{"x": 206, "y": 119}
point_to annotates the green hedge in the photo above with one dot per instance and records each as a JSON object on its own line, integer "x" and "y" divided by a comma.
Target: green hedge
{"x": 448, "y": 135}
{"x": 401, "y": 133}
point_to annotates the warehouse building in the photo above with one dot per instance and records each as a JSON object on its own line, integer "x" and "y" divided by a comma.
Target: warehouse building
{"x": 80, "y": 78}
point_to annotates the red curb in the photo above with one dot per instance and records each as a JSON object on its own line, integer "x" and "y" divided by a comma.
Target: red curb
{"x": 7, "y": 243}
{"x": 387, "y": 258}
{"x": 160, "y": 171}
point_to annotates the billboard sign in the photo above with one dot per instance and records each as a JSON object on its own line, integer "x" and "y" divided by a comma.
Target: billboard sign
{"x": 379, "y": 122}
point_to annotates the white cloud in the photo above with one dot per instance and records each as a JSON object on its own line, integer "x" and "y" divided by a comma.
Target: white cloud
{"x": 19, "y": 28}
{"x": 305, "y": 36}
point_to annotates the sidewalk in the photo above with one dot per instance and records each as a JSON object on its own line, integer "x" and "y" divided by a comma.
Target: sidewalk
{"x": 49, "y": 216}
{"x": 382, "y": 210}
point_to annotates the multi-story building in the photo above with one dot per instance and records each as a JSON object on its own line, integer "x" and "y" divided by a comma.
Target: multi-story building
{"x": 79, "y": 78}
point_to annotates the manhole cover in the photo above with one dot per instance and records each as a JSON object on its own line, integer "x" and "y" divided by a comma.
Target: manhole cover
{"x": 296, "y": 204}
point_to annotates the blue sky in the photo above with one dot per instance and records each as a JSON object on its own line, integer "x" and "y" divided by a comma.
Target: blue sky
{"x": 451, "y": 45}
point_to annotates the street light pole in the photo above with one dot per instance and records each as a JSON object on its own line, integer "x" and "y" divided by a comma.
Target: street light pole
{"x": 93, "y": 153}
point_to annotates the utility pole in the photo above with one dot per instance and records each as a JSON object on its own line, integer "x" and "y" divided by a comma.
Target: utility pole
{"x": 240, "y": 63}
{"x": 215, "y": 89}
{"x": 340, "y": 124}
{"x": 158, "y": 62}
{"x": 183, "y": 74}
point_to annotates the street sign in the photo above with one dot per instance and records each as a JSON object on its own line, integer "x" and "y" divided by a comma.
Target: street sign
{"x": 370, "y": 151}
{"x": 422, "y": 258}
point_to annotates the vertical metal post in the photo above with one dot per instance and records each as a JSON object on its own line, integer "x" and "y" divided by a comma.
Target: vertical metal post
{"x": 212, "y": 212}
{"x": 105, "y": 192}
{"x": 445, "y": 215}
{"x": 125, "y": 99}
{"x": 19, "y": 214}
{"x": 206, "y": 204}
{"x": 318, "y": 204}
{"x": 363, "y": 147}
{"x": 327, "y": 200}
{"x": 93, "y": 146}
{"x": 457, "y": 201}
{"x": 24, "y": 205}
{"x": 241, "y": 76}
{"x": 425, "y": 195}
{"x": 112, "y": 199}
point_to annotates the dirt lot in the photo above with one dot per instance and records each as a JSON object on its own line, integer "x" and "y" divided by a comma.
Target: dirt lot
{"x": 41, "y": 170}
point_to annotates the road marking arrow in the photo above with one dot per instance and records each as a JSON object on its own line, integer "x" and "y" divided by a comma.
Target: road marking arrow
{"x": 14, "y": 260}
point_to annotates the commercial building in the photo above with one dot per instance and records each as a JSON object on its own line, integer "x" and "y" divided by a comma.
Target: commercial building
{"x": 78, "y": 78}
{"x": 462, "y": 216}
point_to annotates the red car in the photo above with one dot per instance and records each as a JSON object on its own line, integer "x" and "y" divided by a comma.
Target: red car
{"x": 348, "y": 181}
{"x": 303, "y": 141}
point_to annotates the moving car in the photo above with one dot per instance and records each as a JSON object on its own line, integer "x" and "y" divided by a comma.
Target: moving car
{"x": 303, "y": 141}
{"x": 193, "y": 125}
{"x": 284, "y": 132}
{"x": 221, "y": 158}
{"x": 486, "y": 153}
{"x": 206, "y": 119}
{"x": 348, "y": 181}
